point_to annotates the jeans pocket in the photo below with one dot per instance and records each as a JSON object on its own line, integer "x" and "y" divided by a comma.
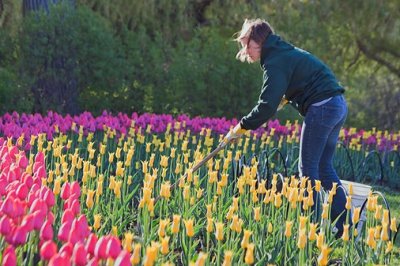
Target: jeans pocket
{"x": 332, "y": 114}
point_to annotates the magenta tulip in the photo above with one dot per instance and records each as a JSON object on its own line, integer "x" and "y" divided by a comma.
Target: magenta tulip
{"x": 79, "y": 255}
{"x": 46, "y": 232}
{"x": 123, "y": 259}
{"x": 113, "y": 247}
{"x": 48, "y": 250}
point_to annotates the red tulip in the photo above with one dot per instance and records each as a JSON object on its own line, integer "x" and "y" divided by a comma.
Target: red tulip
{"x": 79, "y": 255}
{"x": 48, "y": 250}
{"x": 100, "y": 250}
{"x": 113, "y": 247}
{"x": 9, "y": 256}
{"x": 123, "y": 259}
{"x": 64, "y": 230}
{"x": 46, "y": 232}
{"x": 91, "y": 243}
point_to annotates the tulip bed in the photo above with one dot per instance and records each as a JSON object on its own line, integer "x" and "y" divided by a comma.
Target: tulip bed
{"x": 119, "y": 190}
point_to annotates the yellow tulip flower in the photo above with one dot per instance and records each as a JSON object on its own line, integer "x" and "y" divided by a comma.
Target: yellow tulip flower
{"x": 393, "y": 225}
{"x": 97, "y": 221}
{"x": 165, "y": 190}
{"x": 317, "y": 185}
{"x": 348, "y": 203}
{"x": 89, "y": 198}
{"x": 189, "y": 227}
{"x": 161, "y": 228}
{"x": 389, "y": 247}
{"x": 165, "y": 245}
{"x": 385, "y": 218}
{"x": 356, "y": 215}
{"x": 320, "y": 240}
{"x": 312, "y": 235}
{"x": 219, "y": 231}
{"x": 201, "y": 259}
{"x": 270, "y": 227}
{"x": 325, "y": 211}
{"x": 127, "y": 243}
{"x": 345, "y": 235}
{"x": 175, "y": 223}
{"x": 228, "y": 255}
{"x": 257, "y": 213}
{"x": 371, "y": 238}
{"x": 210, "y": 225}
{"x": 302, "y": 239}
{"x": 323, "y": 258}
{"x": 288, "y": 228}
{"x": 278, "y": 200}
{"x": 385, "y": 232}
{"x": 246, "y": 238}
{"x": 303, "y": 222}
{"x": 249, "y": 257}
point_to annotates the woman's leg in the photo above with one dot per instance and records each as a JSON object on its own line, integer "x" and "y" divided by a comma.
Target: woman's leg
{"x": 319, "y": 127}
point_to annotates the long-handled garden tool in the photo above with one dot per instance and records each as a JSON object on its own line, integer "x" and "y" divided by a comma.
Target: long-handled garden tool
{"x": 220, "y": 146}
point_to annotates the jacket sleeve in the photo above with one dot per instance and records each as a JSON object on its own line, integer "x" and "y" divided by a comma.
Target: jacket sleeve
{"x": 274, "y": 87}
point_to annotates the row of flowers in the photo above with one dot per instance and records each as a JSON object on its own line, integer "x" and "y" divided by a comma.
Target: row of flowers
{"x": 133, "y": 199}
{"x": 24, "y": 126}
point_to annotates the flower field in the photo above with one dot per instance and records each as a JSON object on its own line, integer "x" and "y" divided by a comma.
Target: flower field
{"x": 119, "y": 190}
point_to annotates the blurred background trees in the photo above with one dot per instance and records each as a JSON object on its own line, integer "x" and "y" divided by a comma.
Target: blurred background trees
{"x": 177, "y": 56}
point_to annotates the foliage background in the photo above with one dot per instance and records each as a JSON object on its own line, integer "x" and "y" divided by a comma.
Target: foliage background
{"x": 177, "y": 56}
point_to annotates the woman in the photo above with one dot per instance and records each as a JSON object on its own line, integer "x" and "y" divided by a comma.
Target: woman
{"x": 296, "y": 76}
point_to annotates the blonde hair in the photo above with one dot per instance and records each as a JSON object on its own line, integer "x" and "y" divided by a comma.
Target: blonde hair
{"x": 252, "y": 29}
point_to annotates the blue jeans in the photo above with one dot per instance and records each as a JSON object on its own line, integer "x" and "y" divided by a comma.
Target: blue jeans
{"x": 319, "y": 137}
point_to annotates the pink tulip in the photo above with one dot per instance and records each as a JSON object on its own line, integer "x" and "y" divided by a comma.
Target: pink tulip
{"x": 39, "y": 205}
{"x": 19, "y": 207}
{"x": 29, "y": 221}
{"x": 39, "y": 157}
{"x": 3, "y": 184}
{"x": 40, "y": 172}
{"x": 123, "y": 259}
{"x": 50, "y": 217}
{"x": 100, "y": 250}
{"x": 64, "y": 230}
{"x": 49, "y": 198}
{"x": 65, "y": 191}
{"x": 83, "y": 226}
{"x": 59, "y": 260}
{"x": 9, "y": 256}
{"x": 79, "y": 255}
{"x": 20, "y": 235}
{"x": 72, "y": 204}
{"x": 27, "y": 179}
{"x": 22, "y": 191}
{"x": 48, "y": 250}
{"x": 67, "y": 248}
{"x": 93, "y": 262}
{"x": 91, "y": 243}
{"x": 8, "y": 206}
{"x": 68, "y": 216}
{"x": 39, "y": 217}
{"x": 75, "y": 190}
{"x": 5, "y": 225}
{"x": 113, "y": 247}
{"x": 23, "y": 162}
{"x": 46, "y": 232}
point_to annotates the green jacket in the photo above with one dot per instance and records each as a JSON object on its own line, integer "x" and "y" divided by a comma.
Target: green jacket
{"x": 291, "y": 72}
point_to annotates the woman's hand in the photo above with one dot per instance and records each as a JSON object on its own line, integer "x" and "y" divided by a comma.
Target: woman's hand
{"x": 234, "y": 134}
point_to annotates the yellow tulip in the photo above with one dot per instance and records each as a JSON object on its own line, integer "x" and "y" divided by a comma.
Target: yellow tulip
{"x": 257, "y": 215}
{"x": 89, "y": 198}
{"x": 317, "y": 185}
{"x": 227, "y": 258}
{"x": 97, "y": 221}
{"x": 165, "y": 190}
{"x": 320, "y": 240}
{"x": 176, "y": 219}
{"x": 210, "y": 225}
{"x": 303, "y": 222}
{"x": 302, "y": 239}
{"x": 393, "y": 225}
{"x": 370, "y": 238}
{"x": 172, "y": 154}
{"x": 219, "y": 231}
{"x": 127, "y": 243}
{"x": 312, "y": 235}
{"x": 385, "y": 232}
{"x": 356, "y": 215}
{"x": 389, "y": 247}
{"x": 323, "y": 258}
{"x": 164, "y": 161}
{"x": 135, "y": 259}
{"x": 288, "y": 228}
{"x": 161, "y": 228}
{"x": 270, "y": 227}
{"x": 201, "y": 259}
{"x": 144, "y": 167}
{"x": 385, "y": 218}
{"x": 230, "y": 213}
{"x": 151, "y": 255}
{"x": 189, "y": 227}
{"x": 249, "y": 257}
{"x": 278, "y": 200}
{"x": 345, "y": 235}
{"x": 325, "y": 211}
{"x": 348, "y": 203}
{"x": 57, "y": 186}
{"x": 165, "y": 245}
{"x": 186, "y": 192}
{"x": 246, "y": 238}
{"x": 209, "y": 210}
{"x": 377, "y": 233}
